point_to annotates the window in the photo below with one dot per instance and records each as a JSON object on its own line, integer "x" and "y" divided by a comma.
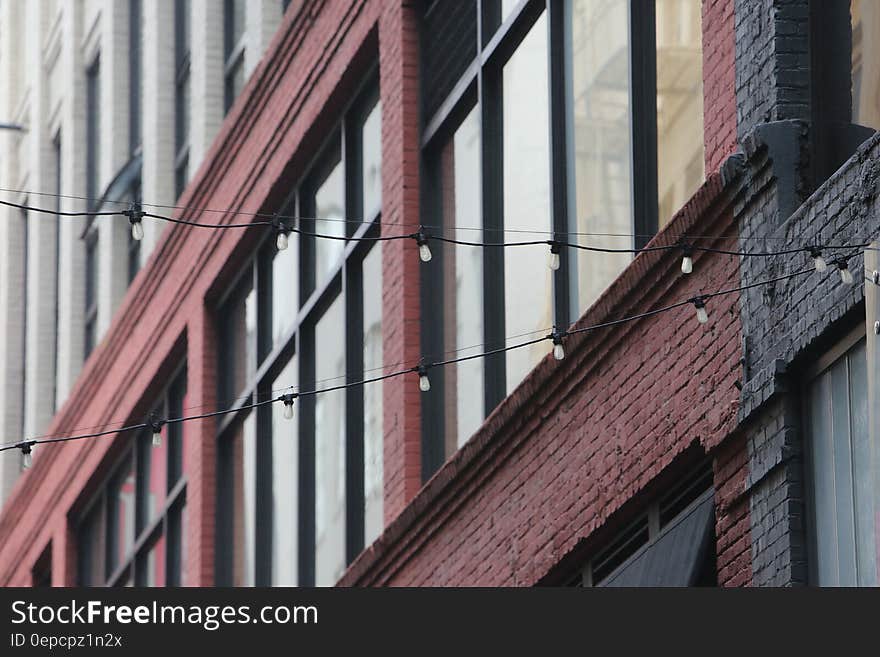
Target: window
{"x": 299, "y": 498}
{"x": 233, "y": 49}
{"x": 569, "y": 117}
{"x": 56, "y": 148}
{"x": 135, "y": 77}
{"x": 134, "y": 246}
{"x": 865, "y": 17}
{"x": 672, "y": 543}
{"x": 41, "y": 575}
{"x": 839, "y": 455}
{"x": 182, "y": 34}
{"x": 91, "y": 314}
{"x": 93, "y": 132}
{"x": 25, "y": 233}
{"x": 132, "y": 532}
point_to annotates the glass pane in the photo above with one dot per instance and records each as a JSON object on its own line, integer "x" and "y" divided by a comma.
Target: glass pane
{"x": 244, "y": 473}
{"x": 154, "y": 564}
{"x": 285, "y": 471}
{"x": 598, "y": 105}
{"x": 865, "y": 62}
{"x": 680, "y": 145}
{"x": 176, "y": 432}
{"x": 285, "y": 289}
{"x": 122, "y": 515}
{"x": 527, "y": 281}
{"x": 238, "y": 349}
{"x": 372, "y": 166}
{"x": 462, "y": 266}
{"x": 842, "y": 472}
{"x": 373, "y": 471}
{"x": 823, "y": 481}
{"x": 329, "y": 214}
{"x": 330, "y": 447}
{"x": 866, "y": 574}
{"x": 151, "y": 484}
{"x": 90, "y": 548}
{"x": 176, "y": 567}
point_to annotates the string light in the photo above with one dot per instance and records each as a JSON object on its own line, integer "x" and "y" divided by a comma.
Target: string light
{"x": 424, "y": 249}
{"x": 135, "y": 216}
{"x": 424, "y": 381}
{"x": 700, "y": 305}
{"x": 558, "y": 349}
{"x": 687, "y": 261}
{"x": 818, "y": 261}
{"x": 26, "y": 451}
{"x": 282, "y": 232}
{"x": 846, "y": 276}
{"x": 156, "y": 425}
{"x": 553, "y": 260}
{"x": 287, "y": 400}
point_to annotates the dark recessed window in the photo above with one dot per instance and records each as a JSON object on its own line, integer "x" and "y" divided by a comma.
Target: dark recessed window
{"x": 299, "y": 497}
{"x": 135, "y": 76}
{"x": 93, "y": 132}
{"x": 182, "y": 45}
{"x": 566, "y": 118}
{"x": 133, "y": 531}
{"x": 91, "y": 295}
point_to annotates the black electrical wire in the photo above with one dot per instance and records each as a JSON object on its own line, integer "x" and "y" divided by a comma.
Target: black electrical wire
{"x": 422, "y": 367}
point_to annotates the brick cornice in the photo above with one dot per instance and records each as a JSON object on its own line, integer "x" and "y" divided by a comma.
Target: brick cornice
{"x": 645, "y": 284}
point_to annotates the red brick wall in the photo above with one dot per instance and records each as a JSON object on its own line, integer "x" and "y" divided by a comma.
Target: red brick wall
{"x": 719, "y": 81}
{"x": 580, "y": 438}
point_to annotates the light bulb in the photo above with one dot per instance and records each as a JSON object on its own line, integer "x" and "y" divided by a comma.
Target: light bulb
{"x": 424, "y": 383}
{"x": 281, "y": 241}
{"x": 702, "y": 315}
{"x": 157, "y": 438}
{"x": 137, "y": 231}
{"x": 846, "y": 275}
{"x": 558, "y": 351}
{"x": 875, "y": 277}
{"x": 425, "y": 252}
{"x": 553, "y": 261}
{"x": 288, "y": 410}
{"x": 819, "y": 263}
{"x": 28, "y": 460}
{"x": 687, "y": 265}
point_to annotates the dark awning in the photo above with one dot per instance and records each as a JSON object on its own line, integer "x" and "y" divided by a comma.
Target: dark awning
{"x": 676, "y": 557}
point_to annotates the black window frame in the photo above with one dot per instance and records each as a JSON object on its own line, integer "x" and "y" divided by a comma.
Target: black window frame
{"x": 168, "y": 519}
{"x": 480, "y": 86}
{"x": 343, "y": 283}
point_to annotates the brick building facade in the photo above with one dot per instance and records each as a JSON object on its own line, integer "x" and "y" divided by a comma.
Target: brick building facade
{"x": 658, "y": 451}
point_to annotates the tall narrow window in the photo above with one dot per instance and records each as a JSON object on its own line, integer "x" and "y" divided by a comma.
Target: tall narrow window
{"x": 93, "y": 132}
{"x": 134, "y": 75}
{"x": 56, "y": 144}
{"x": 91, "y": 296}
{"x": 839, "y": 454}
{"x": 865, "y": 16}
{"x": 233, "y": 48}
{"x": 181, "y": 94}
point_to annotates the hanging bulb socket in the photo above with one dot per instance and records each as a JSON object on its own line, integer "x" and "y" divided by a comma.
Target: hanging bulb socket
{"x": 156, "y": 424}
{"x": 846, "y": 276}
{"x": 282, "y": 230}
{"x": 875, "y": 277}
{"x": 27, "y": 453}
{"x": 687, "y": 260}
{"x": 553, "y": 259}
{"x": 135, "y": 214}
{"x": 558, "y": 348}
{"x": 700, "y": 305}
{"x": 424, "y": 381}
{"x": 818, "y": 261}
{"x": 288, "y": 405}
{"x": 424, "y": 250}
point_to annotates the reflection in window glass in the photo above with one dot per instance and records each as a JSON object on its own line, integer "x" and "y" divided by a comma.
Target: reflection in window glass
{"x": 285, "y": 466}
{"x": 865, "y": 16}
{"x": 330, "y": 447}
{"x": 285, "y": 289}
{"x": 373, "y": 472}
{"x": 528, "y": 298}
{"x": 122, "y": 515}
{"x": 462, "y": 266}
{"x": 598, "y": 106}
{"x": 329, "y": 213}
{"x": 244, "y": 471}
{"x": 152, "y": 464}
{"x": 238, "y": 352}
{"x": 680, "y": 146}
{"x": 372, "y": 149}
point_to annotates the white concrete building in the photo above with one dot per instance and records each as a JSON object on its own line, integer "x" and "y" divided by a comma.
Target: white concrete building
{"x": 101, "y": 101}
